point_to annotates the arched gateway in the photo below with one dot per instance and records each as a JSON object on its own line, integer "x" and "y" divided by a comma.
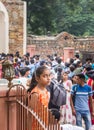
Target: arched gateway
{"x": 4, "y": 29}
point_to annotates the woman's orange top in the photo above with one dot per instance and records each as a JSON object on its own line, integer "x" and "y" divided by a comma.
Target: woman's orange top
{"x": 43, "y": 96}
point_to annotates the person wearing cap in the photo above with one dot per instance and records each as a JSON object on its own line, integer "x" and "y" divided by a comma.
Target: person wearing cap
{"x": 81, "y": 108}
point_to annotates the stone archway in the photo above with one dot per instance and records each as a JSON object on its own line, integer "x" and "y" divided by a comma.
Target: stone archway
{"x": 4, "y": 29}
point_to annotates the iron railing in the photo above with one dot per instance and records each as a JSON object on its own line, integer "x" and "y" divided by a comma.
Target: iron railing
{"x": 30, "y": 113}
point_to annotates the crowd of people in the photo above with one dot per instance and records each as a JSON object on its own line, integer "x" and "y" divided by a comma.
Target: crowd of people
{"x": 36, "y": 74}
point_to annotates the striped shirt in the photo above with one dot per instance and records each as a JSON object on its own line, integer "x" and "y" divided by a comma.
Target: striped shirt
{"x": 82, "y": 96}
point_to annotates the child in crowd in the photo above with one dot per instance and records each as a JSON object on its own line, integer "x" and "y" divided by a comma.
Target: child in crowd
{"x": 66, "y": 112}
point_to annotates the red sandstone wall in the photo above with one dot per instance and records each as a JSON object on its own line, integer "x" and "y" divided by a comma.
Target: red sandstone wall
{"x": 6, "y": 123}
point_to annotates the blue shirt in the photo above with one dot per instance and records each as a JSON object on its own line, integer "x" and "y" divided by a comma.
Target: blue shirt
{"x": 81, "y": 98}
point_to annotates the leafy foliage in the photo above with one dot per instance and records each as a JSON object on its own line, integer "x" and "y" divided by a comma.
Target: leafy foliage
{"x": 75, "y": 16}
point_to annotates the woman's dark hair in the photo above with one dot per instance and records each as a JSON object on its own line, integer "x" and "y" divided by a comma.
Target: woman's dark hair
{"x": 71, "y": 60}
{"x": 32, "y": 61}
{"x": 26, "y": 62}
{"x": 81, "y": 76}
{"x": 33, "y": 83}
{"x": 36, "y": 73}
{"x": 77, "y": 55}
{"x": 22, "y": 71}
{"x": 72, "y": 68}
{"x": 59, "y": 60}
{"x": 42, "y": 62}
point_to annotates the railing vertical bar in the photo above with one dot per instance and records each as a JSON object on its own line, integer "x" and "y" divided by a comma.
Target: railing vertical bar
{"x": 18, "y": 109}
{"x": 33, "y": 113}
{"x": 8, "y": 113}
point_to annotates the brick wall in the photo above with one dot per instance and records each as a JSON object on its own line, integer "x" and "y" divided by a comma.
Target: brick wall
{"x": 45, "y": 45}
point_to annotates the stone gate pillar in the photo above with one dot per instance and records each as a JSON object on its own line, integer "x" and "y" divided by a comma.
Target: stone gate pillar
{"x": 68, "y": 53}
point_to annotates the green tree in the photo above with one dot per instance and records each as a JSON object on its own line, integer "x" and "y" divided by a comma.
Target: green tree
{"x": 40, "y": 16}
{"x": 75, "y": 16}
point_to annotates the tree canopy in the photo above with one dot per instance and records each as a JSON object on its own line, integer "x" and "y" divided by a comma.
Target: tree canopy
{"x": 75, "y": 17}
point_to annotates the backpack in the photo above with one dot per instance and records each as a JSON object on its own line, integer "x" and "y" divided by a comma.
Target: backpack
{"x": 59, "y": 94}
